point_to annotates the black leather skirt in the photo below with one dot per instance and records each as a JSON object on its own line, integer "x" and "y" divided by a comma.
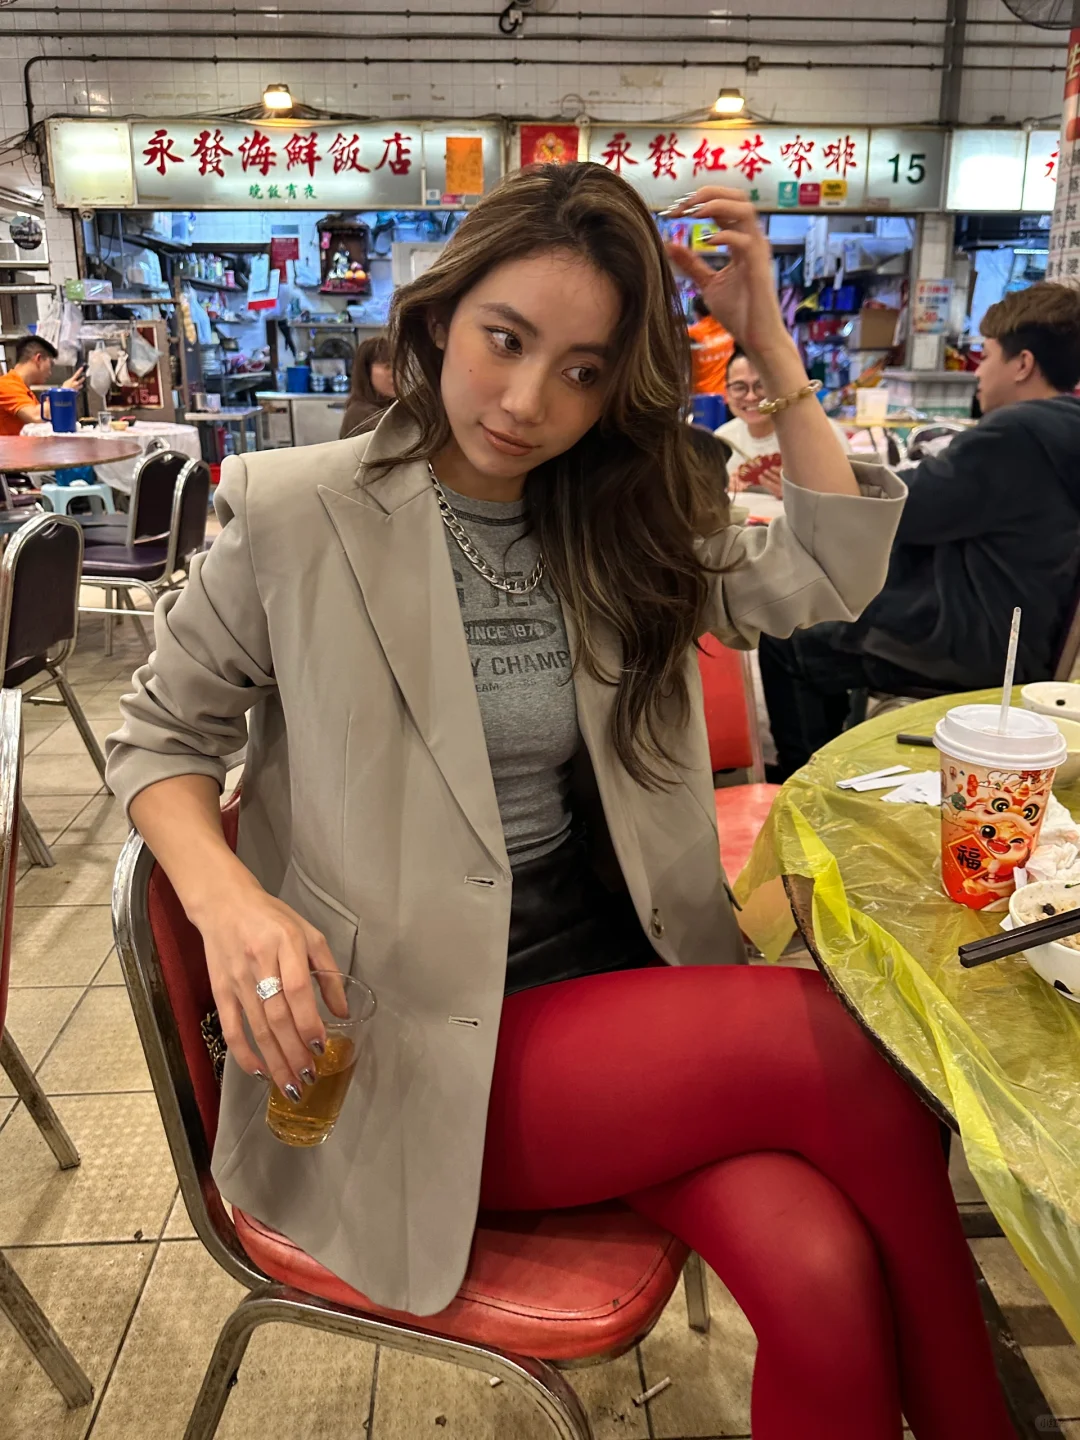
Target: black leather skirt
{"x": 565, "y": 923}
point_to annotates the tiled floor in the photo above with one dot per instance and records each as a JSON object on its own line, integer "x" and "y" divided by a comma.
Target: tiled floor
{"x": 108, "y": 1250}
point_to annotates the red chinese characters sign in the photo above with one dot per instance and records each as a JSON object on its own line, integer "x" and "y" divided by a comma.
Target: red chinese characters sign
{"x": 773, "y": 165}
{"x": 276, "y": 165}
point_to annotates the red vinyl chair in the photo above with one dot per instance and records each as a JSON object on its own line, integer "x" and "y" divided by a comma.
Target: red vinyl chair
{"x": 734, "y": 744}
{"x": 569, "y": 1286}
{"x": 16, "y": 1302}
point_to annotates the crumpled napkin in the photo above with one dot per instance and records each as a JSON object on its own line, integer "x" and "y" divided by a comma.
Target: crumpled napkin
{"x": 1057, "y": 855}
{"x": 922, "y": 788}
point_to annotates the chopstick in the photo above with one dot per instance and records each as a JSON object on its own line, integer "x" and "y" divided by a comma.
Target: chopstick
{"x": 925, "y": 740}
{"x": 1039, "y": 932}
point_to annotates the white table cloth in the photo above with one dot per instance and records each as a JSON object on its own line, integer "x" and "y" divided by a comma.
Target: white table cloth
{"x": 121, "y": 475}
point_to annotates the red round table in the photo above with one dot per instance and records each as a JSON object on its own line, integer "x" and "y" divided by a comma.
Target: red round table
{"x": 60, "y": 452}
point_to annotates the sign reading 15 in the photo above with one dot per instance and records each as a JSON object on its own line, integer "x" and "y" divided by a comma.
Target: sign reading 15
{"x": 916, "y": 168}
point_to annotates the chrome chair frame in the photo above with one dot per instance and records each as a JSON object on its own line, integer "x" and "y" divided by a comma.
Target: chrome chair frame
{"x": 268, "y": 1300}
{"x": 35, "y": 844}
{"x": 931, "y": 428}
{"x": 121, "y": 586}
{"x": 16, "y": 1302}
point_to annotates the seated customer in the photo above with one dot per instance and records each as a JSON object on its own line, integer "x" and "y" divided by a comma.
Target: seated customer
{"x": 372, "y": 387}
{"x": 991, "y": 523}
{"x": 750, "y": 435}
{"x": 711, "y": 349}
{"x": 19, "y": 405}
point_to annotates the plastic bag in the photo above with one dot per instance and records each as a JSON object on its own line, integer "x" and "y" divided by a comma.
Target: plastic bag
{"x": 124, "y": 377}
{"x": 997, "y": 1046}
{"x": 67, "y": 342}
{"x": 142, "y": 357}
{"x": 48, "y": 327}
{"x": 99, "y": 370}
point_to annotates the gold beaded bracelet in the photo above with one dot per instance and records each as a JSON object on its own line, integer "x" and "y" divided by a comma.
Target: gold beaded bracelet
{"x": 770, "y": 407}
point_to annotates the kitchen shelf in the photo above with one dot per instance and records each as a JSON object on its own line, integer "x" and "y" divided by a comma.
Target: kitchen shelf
{"x": 131, "y": 300}
{"x": 26, "y": 289}
{"x": 246, "y": 247}
{"x": 140, "y": 239}
{"x": 244, "y": 375}
{"x": 209, "y": 284}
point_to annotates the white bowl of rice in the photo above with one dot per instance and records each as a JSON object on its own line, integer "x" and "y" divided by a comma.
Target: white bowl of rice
{"x": 1058, "y": 963}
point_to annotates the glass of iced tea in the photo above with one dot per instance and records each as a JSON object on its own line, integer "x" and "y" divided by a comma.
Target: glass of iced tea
{"x": 346, "y": 1005}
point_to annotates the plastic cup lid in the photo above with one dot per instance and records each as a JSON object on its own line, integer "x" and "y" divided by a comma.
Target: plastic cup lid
{"x": 970, "y": 732}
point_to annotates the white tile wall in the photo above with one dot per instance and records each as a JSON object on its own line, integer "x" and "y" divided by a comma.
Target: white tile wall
{"x": 151, "y": 68}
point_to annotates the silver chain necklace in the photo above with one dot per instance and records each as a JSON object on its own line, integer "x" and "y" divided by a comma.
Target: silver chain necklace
{"x": 475, "y": 559}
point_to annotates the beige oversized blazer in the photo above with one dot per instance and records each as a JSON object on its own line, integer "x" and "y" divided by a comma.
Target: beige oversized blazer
{"x": 326, "y": 616}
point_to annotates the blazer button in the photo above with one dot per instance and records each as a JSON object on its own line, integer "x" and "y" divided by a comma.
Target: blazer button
{"x": 656, "y": 926}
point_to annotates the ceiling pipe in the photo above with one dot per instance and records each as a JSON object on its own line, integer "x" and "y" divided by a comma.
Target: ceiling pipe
{"x": 272, "y": 11}
{"x": 442, "y": 38}
{"x": 684, "y": 64}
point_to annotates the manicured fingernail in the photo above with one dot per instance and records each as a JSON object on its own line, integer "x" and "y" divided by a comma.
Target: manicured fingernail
{"x": 693, "y": 209}
{"x": 307, "y": 1075}
{"x": 293, "y": 1093}
{"x": 260, "y": 1075}
{"x": 678, "y": 204}
{"x": 317, "y": 1047}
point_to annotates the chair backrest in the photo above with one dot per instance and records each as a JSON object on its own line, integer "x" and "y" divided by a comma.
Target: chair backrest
{"x": 730, "y": 712}
{"x": 39, "y": 590}
{"x": 10, "y": 781}
{"x": 190, "y": 507}
{"x": 164, "y": 966}
{"x": 153, "y": 492}
{"x": 923, "y": 434}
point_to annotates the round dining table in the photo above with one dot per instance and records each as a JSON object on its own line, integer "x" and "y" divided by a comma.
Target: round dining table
{"x": 993, "y": 1051}
{"x": 28, "y": 453}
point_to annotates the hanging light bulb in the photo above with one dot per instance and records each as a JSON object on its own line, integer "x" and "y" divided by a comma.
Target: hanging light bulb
{"x": 277, "y": 97}
{"x": 729, "y": 102}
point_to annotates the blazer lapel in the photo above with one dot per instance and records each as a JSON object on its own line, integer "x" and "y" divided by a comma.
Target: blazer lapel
{"x": 393, "y": 538}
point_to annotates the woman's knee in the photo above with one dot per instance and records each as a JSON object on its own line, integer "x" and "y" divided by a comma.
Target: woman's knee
{"x": 805, "y": 1266}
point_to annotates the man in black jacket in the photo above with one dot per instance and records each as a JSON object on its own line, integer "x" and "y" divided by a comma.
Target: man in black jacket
{"x": 991, "y": 523}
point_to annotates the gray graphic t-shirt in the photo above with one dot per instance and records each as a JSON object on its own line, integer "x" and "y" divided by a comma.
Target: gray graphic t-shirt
{"x": 521, "y": 669}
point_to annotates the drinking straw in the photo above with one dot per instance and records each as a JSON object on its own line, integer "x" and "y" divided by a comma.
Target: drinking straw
{"x": 1010, "y": 670}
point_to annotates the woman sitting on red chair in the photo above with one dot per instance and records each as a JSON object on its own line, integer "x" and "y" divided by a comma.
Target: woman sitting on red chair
{"x": 477, "y": 775}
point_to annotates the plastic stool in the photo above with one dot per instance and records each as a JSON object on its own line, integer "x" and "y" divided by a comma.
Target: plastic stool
{"x": 59, "y": 497}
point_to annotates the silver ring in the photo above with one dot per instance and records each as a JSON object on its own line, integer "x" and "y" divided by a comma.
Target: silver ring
{"x": 268, "y": 988}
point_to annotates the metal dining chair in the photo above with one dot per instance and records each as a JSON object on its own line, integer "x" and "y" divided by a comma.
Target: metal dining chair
{"x": 149, "y": 515}
{"x": 149, "y": 559}
{"x": 544, "y": 1290}
{"x": 918, "y": 439}
{"x": 16, "y": 1302}
{"x": 39, "y": 627}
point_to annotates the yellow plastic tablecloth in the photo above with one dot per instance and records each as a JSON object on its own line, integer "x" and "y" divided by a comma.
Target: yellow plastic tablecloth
{"x": 996, "y": 1045}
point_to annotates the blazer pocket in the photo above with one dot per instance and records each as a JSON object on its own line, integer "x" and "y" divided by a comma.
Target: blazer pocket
{"x": 319, "y": 908}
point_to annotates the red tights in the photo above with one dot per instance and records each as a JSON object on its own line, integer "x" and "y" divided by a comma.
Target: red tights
{"x": 743, "y": 1110}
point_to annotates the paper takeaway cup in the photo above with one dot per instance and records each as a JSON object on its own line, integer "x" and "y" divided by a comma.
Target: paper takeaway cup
{"x": 994, "y": 793}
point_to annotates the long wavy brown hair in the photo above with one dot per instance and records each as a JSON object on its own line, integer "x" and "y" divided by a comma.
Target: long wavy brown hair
{"x": 617, "y": 516}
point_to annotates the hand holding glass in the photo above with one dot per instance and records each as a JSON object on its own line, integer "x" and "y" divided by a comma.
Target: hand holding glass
{"x": 345, "y": 1006}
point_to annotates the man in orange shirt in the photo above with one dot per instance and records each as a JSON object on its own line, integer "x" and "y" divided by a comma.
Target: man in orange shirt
{"x": 713, "y": 347}
{"x": 19, "y": 405}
